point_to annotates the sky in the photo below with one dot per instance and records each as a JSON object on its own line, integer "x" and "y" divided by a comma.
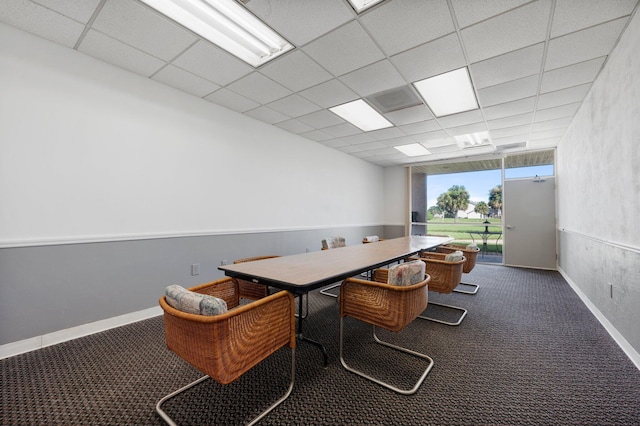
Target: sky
{"x": 478, "y": 183}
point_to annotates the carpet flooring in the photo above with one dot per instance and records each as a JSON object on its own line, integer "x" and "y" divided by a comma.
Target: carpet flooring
{"x": 528, "y": 353}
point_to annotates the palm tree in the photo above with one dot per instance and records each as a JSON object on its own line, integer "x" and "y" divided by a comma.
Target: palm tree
{"x": 482, "y": 208}
{"x": 455, "y": 199}
{"x": 495, "y": 200}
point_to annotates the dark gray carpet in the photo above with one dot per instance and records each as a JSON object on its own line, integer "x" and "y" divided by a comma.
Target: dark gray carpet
{"x": 528, "y": 353}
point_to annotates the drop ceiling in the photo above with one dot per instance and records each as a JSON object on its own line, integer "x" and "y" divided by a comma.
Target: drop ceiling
{"x": 531, "y": 63}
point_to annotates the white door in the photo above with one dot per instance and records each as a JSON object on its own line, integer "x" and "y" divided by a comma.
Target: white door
{"x": 529, "y": 217}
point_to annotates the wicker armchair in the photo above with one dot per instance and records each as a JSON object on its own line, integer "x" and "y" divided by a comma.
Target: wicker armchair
{"x": 445, "y": 276}
{"x": 226, "y": 346}
{"x": 328, "y": 244}
{"x": 470, "y": 254}
{"x": 249, "y": 290}
{"x": 387, "y": 306}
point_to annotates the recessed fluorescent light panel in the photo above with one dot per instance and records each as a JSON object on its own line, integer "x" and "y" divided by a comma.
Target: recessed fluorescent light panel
{"x": 360, "y": 114}
{"x": 228, "y": 25}
{"x": 448, "y": 93}
{"x": 413, "y": 150}
{"x": 473, "y": 139}
{"x": 361, "y": 5}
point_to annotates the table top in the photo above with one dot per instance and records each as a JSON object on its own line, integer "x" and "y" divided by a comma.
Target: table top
{"x": 486, "y": 232}
{"x": 304, "y": 272}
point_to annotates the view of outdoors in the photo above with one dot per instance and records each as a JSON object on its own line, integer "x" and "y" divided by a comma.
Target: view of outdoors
{"x": 468, "y": 206}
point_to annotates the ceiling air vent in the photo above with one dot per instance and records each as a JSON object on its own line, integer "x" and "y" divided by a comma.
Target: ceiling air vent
{"x": 394, "y": 99}
{"x": 511, "y": 146}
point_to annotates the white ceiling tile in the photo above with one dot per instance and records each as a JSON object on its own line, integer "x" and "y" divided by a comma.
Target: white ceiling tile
{"x": 321, "y": 119}
{"x": 557, "y": 112}
{"x": 402, "y": 24}
{"x": 232, "y": 100}
{"x": 259, "y": 88}
{"x": 316, "y": 135}
{"x": 573, "y": 15}
{"x": 564, "y": 96}
{"x": 509, "y": 91}
{"x": 510, "y": 108}
{"x": 212, "y": 63}
{"x": 341, "y": 130}
{"x": 294, "y": 126}
{"x": 432, "y": 136}
{"x": 510, "y": 121}
{"x": 335, "y": 143}
{"x": 143, "y": 28}
{"x": 388, "y": 133}
{"x": 469, "y": 12}
{"x": 468, "y": 129}
{"x": 521, "y": 27}
{"x": 301, "y": 21}
{"x": 293, "y": 106}
{"x": 295, "y": 71}
{"x": 357, "y": 139}
{"x": 117, "y": 53}
{"x": 40, "y": 21}
{"x": 376, "y": 146}
{"x": 436, "y": 57}
{"x": 511, "y": 66}
{"x": 79, "y": 10}
{"x": 409, "y": 115}
{"x": 403, "y": 140}
{"x": 373, "y": 78}
{"x": 522, "y": 131}
{"x": 329, "y": 94}
{"x": 421, "y": 127}
{"x": 587, "y": 44}
{"x": 349, "y": 149}
{"x": 185, "y": 81}
{"x": 558, "y": 123}
{"x": 266, "y": 115}
{"x": 572, "y": 75}
{"x": 433, "y": 143}
{"x": 344, "y": 49}
{"x": 547, "y": 134}
{"x": 460, "y": 119}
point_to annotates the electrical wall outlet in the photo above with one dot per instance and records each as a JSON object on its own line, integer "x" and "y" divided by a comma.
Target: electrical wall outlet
{"x": 611, "y": 290}
{"x": 195, "y": 269}
{"x": 223, "y": 262}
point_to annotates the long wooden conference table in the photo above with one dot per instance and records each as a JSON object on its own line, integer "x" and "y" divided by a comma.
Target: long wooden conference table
{"x": 301, "y": 273}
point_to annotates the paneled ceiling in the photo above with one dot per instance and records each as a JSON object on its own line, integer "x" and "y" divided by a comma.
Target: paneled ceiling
{"x": 531, "y": 63}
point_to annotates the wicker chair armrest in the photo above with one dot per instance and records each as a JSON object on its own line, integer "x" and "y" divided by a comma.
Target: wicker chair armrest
{"x": 387, "y": 306}
{"x": 226, "y": 346}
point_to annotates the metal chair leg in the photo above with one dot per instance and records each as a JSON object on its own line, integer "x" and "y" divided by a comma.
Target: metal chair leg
{"x": 464, "y": 314}
{"x": 474, "y": 291}
{"x": 325, "y": 290}
{"x": 170, "y": 421}
{"x": 392, "y": 346}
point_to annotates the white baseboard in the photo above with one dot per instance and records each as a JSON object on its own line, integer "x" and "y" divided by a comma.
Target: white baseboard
{"x": 38, "y": 342}
{"x": 633, "y": 355}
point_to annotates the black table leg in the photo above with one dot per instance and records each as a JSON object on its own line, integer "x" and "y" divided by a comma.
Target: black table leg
{"x": 302, "y": 338}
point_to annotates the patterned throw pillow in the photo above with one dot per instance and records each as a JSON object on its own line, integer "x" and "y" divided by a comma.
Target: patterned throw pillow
{"x": 454, "y": 257}
{"x": 334, "y": 242}
{"x": 194, "y": 303}
{"x": 472, "y": 246}
{"x": 407, "y": 273}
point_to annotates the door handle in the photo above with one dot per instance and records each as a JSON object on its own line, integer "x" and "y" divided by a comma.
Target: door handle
{"x": 510, "y": 227}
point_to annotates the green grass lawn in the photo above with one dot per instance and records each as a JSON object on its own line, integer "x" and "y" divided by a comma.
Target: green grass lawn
{"x": 460, "y": 230}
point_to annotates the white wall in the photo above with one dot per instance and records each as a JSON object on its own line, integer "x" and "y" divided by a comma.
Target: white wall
{"x": 92, "y": 152}
{"x": 395, "y": 195}
{"x": 598, "y": 175}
